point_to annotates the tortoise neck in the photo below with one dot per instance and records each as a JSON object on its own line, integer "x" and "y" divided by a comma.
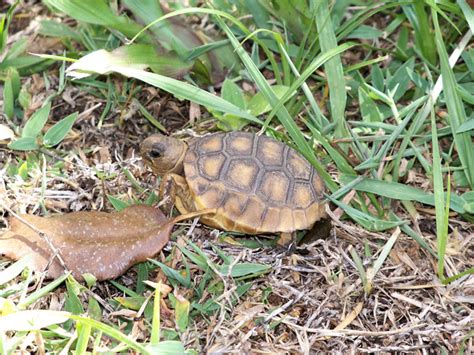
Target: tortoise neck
{"x": 178, "y": 168}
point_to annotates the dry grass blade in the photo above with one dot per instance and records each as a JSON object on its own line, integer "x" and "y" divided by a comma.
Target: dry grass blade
{"x": 350, "y": 317}
{"x": 372, "y": 271}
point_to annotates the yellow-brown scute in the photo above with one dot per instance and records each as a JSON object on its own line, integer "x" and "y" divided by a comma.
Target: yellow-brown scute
{"x": 253, "y": 213}
{"x": 301, "y": 196}
{"x": 271, "y": 220}
{"x": 257, "y": 184}
{"x": 298, "y": 166}
{"x": 270, "y": 152}
{"x": 212, "y": 197}
{"x": 274, "y": 187}
{"x": 234, "y": 205}
{"x": 211, "y": 166}
{"x": 241, "y": 145}
{"x": 241, "y": 174}
{"x": 212, "y": 144}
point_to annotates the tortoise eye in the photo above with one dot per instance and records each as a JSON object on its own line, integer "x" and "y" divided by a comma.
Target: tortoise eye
{"x": 154, "y": 153}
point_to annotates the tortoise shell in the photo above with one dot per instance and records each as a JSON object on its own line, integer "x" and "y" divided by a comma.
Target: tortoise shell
{"x": 256, "y": 183}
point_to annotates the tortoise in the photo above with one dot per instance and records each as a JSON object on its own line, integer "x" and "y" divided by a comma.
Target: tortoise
{"x": 251, "y": 183}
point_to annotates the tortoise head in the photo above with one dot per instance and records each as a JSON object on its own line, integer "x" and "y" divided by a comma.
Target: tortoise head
{"x": 163, "y": 154}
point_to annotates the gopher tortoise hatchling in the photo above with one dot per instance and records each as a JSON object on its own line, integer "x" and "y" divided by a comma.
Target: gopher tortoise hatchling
{"x": 254, "y": 184}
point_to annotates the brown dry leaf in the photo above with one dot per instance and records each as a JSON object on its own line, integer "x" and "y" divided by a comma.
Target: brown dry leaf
{"x": 100, "y": 243}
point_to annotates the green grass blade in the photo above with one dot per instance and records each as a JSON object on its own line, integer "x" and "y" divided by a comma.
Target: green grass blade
{"x": 192, "y": 10}
{"x": 456, "y": 112}
{"x": 418, "y": 17}
{"x": 111, "y": 332}
{"x": 385, "y": 251}
{"x": 36, "y": 122}
{"x": 380, "y": 155}
{"x": 42, "y": 292}
{"x": 443, "y": 241}
{"x": 182, "y": 308}
{"x": 306, "y": 89}
{"x": 30, "y": 320}
{"x": 441, "y": 218}
{"x": 372, "y": 272}
{"x": 361, "y": 17}
{"x": 468, "y": 13}
{"x": 360, "y": 268}
{"x": 310, "y": 69}
{"x": 414, "y": 235}
{"x": 84, "y": 332}
{"x": 338, "y": 158}
{"x": 155, "y": 327}
{"x": 333, "y": 67}
{"x": 187, "y": 91}
{"x": 58, "y": 132}
{"x": 14, "y": 270}
{"x": 8, "y": 98}
{"x": 400, "y": 191}
{"x": 149, "y": 10}
{"x": 366, "y": 220}
{"x": 4, "y": 24}
{"x": 458, "y": 276}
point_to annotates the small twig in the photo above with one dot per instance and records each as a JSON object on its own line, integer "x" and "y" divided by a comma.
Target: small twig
{"x": 394, "y": 349}
{"x": 190, "y": 231}
{"x": 285, "y": 306}
{"x": 346, "y": 332}
{"x": 99, "y": 299}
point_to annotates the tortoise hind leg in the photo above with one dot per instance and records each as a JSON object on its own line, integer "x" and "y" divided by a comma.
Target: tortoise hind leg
{"x": 287, "y": 241}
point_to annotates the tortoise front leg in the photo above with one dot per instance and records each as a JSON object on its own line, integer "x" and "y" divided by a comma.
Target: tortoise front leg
{"x": 175, "y": 191}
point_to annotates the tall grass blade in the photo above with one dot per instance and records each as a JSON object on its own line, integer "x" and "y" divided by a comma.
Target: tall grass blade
{"x": 155, "y": 328}
{"x": 111, "y": 332}
{"x": 468, "y": 13}
{"x": 310, "y": 69}
{"x": 84, "y": 332}
{"x": 149, "y": 10}
{"x": 360, "y": 268}
{"x": 456, "y": 112}
{"x": 418, "y": 17}
{"x": 31, "y": 320}
{"x": 441, "y": 225}
{"x": 306, "y": 89}
{"x": 333, "y": 67}
{"x": 33, "y": 297}
{"x": 400, "y": 191}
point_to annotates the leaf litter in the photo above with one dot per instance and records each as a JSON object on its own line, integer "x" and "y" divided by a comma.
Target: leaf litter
{"x": 99, "y": 243}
